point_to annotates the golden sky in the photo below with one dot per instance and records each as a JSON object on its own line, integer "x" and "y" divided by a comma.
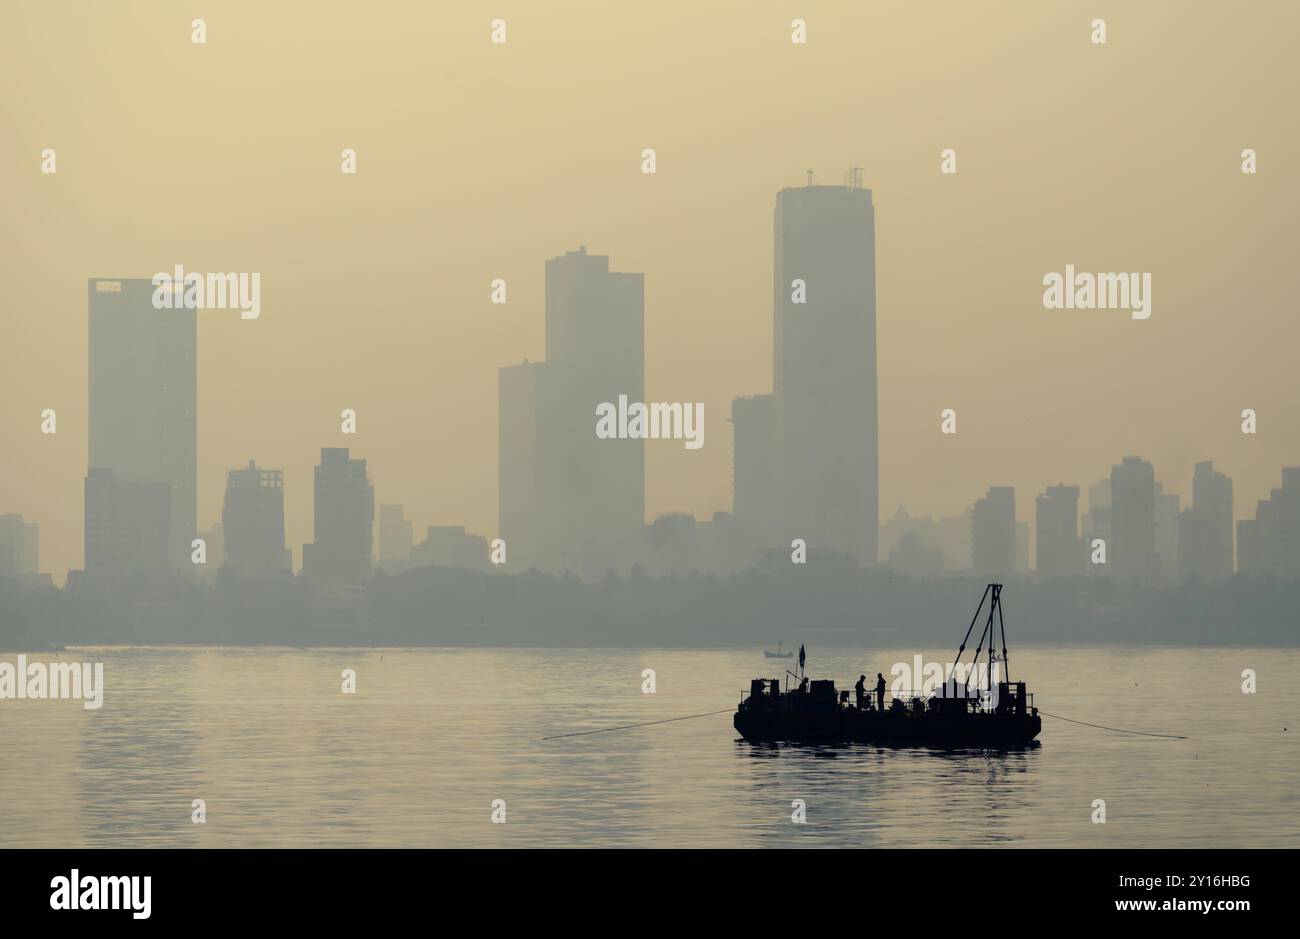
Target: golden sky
{"x": 478, "y": 161}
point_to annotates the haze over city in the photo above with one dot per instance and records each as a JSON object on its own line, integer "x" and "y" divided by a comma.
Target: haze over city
{"x": 375, "y": 286}
{"x": 841, "y": 424}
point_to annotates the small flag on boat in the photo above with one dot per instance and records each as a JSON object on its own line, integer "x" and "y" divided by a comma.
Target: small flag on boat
{"x": 802, "y": 656}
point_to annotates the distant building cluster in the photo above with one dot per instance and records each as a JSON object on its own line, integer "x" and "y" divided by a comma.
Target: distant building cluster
{"x": 805, "y": 458}
{"x": 1270, "y": 542}
{"x": 805, "y": 462}
{"x": 443, "y": 545}
{"x": 1131, "y": 530}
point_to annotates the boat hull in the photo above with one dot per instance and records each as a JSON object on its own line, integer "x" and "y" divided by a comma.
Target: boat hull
{"x": 889, "y": 728}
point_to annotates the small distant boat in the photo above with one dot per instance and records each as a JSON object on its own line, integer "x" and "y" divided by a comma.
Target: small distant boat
{"x": 778, "y": 654}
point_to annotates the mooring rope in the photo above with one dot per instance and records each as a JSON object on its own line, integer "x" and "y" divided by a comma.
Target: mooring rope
{"x": 1118, "y": 730}
{"x": 667, "y": 720}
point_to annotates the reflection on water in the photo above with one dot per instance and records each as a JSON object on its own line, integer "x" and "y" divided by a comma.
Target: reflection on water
{"x": 281, "y": 757}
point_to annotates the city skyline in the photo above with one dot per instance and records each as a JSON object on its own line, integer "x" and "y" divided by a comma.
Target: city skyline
{"x": 377, "y": 287}
{"x": 129, "y": 447}
{"x": 141, "y": 384}
{"x": 595, "y": 328}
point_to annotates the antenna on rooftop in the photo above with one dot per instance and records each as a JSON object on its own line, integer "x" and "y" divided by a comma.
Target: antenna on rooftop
{"x": 853, "y": 177}
{"x": 810, "y": 175}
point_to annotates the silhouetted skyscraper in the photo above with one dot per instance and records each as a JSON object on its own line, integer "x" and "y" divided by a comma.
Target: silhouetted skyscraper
{"x": 1205, "y": 529}
{"x": 1096, "y": 527}
{"x": 1133, "y": 520}
{"x": 593, "y": 501}
{"x": 345, "y": 520}
{"x": 127, "y": 526}
{"x": 993, "y": 533}
{"x": 252, "y": 521}
{"x": 755, "y": 476}
{"x": 824, "y": 369}
{"x": 569, "y": 499}
{"x": 1270, "y": 542}
{"x": 1212, "y": 492}
{"x": 1168, "y": 508}
{"x": 142, "y": 401}
{"x": 1058, "y": 549}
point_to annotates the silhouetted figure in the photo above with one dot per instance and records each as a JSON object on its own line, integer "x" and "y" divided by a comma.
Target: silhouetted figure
{"x": 861, "y": 689}
{"x": 880, "y": 691}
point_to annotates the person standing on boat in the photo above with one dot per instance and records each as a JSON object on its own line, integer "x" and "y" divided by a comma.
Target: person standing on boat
{"x": 880, "y": 691}
{"x": 861, "y": 689}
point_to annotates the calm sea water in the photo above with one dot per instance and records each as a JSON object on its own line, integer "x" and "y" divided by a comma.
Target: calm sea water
{"x": 433, "y": 736}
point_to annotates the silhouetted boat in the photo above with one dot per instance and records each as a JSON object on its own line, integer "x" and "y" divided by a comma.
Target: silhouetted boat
{"x": 951, "y": 717}
{"x": 778, "y": 654}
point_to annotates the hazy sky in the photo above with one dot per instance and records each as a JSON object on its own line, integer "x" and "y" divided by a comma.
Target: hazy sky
{"x": 478, "y": 161}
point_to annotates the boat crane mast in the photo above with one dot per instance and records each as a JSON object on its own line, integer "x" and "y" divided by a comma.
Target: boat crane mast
{"x": 994, "y": 623}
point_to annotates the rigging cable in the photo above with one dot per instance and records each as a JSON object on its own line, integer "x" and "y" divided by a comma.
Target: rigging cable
{"x": 668, "y": 720}
{"x": 1118, "y": 730}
